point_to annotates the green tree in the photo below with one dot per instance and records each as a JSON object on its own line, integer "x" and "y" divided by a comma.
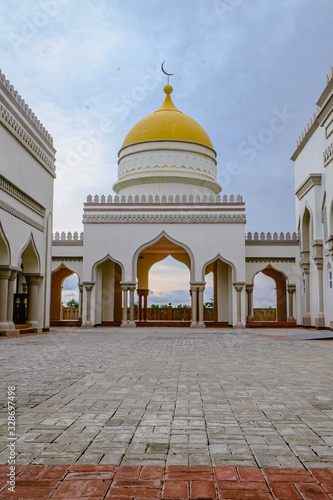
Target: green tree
{"x": 72, "y": 303}
{"x": 210, "y": 303}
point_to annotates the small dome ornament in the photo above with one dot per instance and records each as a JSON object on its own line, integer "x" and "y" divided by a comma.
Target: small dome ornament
{"x": 168, "y": 89}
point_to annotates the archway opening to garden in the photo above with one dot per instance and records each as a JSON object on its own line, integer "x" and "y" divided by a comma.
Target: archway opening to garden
{"x": 270, "y": 295}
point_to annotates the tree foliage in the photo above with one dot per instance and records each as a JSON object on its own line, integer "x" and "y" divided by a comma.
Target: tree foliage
{"x": 72, "y": 303}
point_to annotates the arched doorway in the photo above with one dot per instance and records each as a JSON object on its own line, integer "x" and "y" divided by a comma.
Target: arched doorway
{"x": 264, "y": 298}
{"x": 58, "y": 300}
{"x": 163, "y": 249}
{"x": 6, "y": 285}
{"x": 169, "y": 294}
{"x": 222, "y": 291}
{"x": 29, "y": 292}
{"x": 107, "y": 292}
{"x": 270, "y": 295}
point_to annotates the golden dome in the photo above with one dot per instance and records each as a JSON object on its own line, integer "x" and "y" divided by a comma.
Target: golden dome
{"x": 167, "y": 123}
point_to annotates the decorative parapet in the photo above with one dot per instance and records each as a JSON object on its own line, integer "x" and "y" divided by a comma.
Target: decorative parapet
{"x": 313, "y": 124}
{"x": 16, "y": 128}
{"x": 106, "y": 200}
{"x": 28, "y": 111}
{"x": 307, "y": 128}
{"x": 329, "y": 77}
{"x": 269, "y": 237}
{"x": 67, "y": 238}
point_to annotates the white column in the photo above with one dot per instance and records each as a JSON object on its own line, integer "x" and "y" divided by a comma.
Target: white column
{"x": 249, "y": 290}
{"x": 201, "y": 323}
{"x": 194, "y": 322}
{"x": 291, "y": 289}
{"x": 88, "y": 287}
{"x": 320, "y": 320}
{"x": 10, "y": 302}
{"x": 125, "y": 306}
{"x": 80, "y": 302}
{"x": 131, "y": 318}
{"x": 4, "y": 277}
{"x": 239, "y": 288}
{"x": 307, "y": 316}
{"x": 33, "y": 282}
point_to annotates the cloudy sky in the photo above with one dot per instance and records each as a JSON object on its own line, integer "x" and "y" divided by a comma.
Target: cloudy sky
{"x": 240, "y": 66}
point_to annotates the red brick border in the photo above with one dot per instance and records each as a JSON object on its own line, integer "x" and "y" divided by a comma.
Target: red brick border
{"x": 132, "y": 482}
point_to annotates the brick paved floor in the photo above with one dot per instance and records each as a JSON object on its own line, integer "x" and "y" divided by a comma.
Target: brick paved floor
{"x": 131, "y": 482}
{"x": 172, "y": 397}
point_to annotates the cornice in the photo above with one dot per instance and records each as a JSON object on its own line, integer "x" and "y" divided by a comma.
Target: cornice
{"x": 153, "y": 218}
{"x": 67, "y": 243}
{"x": 67, "y": 259}
{"x": 14, "y": 191}
{"x": 270, "y": 259}
{"x": 20, "y": 215}
{"x": 310, "y": 181}
{"x": 161, "y": 208}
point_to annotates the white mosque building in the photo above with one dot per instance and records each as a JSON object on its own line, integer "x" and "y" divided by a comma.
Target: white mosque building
{"x": 166, "y": 202}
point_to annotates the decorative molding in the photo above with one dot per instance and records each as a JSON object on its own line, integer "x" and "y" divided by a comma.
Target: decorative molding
{"x": 7, "y": 119}
{"x": 270, "y": 259}
{"x": 163, "y": 200}
{"x": 20, "y": 215}
{"x": 67, "y": 259}
{"x": 21, "y": 196}
{"x": 163, "y": 218}
{"x": 72, "y": 243}
{"x": 126, "y": 167}
{"x": 25, "y": 108}
{"x": 310, "y": 181}
{"x": 328, "y": 154}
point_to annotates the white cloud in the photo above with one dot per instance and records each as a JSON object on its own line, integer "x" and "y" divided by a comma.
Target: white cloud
{"x": 264, "y": 294}
{"x": 231, "y": 71}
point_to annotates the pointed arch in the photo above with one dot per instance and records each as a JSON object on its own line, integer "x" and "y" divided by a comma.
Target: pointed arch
{"x": 5, "y": 253}
{"x": 29, "y": 257}
{"x": 101, "y": 261}
{"x": 219, "y": 257}
{"x": 107, "y": 275}
{"x": 63, "y": 264}
{"x": 306, "y": 222}
{"x": 274, "y": 268}
{"x": 58, "y": 277}
{"x": 152, "y": 242}
{"x": 281, "y": 281}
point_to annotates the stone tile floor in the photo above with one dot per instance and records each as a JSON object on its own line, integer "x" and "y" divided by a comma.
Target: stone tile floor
{"x": 172, "y": 397}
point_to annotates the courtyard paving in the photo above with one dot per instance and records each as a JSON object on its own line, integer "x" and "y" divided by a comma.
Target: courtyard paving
{"x": 168, "y": 398}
